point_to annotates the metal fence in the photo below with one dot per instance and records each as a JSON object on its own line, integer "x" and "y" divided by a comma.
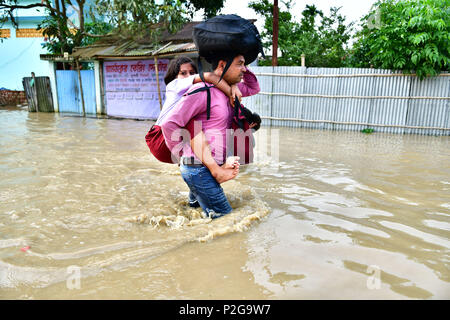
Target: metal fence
{"x": 69, "y": 93}
{"x": 352, "y": 99}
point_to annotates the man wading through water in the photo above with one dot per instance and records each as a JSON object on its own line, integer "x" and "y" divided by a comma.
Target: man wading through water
{"x": 203, "y": 163}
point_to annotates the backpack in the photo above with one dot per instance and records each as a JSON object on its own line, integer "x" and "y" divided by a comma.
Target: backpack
{"x": 227, "y": 33}
{"x": 226, "y": 36}
{"x": 243, "y": 141}
{"x": 157, "y": 145}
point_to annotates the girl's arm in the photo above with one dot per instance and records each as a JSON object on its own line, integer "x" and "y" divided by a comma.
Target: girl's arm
{"x": 212, "y": 78}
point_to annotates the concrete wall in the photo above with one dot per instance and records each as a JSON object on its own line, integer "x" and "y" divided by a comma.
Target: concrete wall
{"x": 20, "y": 56}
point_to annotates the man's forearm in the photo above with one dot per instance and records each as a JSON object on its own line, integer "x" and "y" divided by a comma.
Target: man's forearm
{"x": 202, "y": 151}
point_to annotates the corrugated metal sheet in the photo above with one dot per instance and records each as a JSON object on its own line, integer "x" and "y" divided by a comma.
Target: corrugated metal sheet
{"x": 261, "y": 104}
{"x": 88, "y": 80}
{"x": 430, "y": 113}
{"x": 180, "y": 47}
{"x": 115, "y": 46}
{"x": 68, "y": 87}
{"x": 352, "y": 110}
{"x": 351, "y": 99}
{"x": 389, "y": 111}
{"x": 325, "y": 108}
{"x": 130, "y": 49}
{"x": 68, "y": 91}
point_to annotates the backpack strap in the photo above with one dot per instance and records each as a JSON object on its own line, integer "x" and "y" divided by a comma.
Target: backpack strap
{"x": 200, "y": 68}
{"x": 206, "y": 87}
{"x": 237, "y": 108}
{"x": 208, "y": 98}
{"x": 227, "y": 66}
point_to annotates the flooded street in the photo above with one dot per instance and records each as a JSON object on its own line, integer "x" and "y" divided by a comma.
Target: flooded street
{"x": 321, "y": 215}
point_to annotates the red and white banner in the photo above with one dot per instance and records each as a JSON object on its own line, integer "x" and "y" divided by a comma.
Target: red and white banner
{"x": 131, "y": 89}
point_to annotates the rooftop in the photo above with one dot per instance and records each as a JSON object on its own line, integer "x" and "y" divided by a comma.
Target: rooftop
{"x": 116, "y": 47}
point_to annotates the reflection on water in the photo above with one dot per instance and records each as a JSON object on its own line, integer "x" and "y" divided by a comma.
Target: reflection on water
{"x": 322, "y": 214}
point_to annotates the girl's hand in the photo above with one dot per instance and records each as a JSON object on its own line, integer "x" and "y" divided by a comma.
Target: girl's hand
{"x": 235, "y": 92}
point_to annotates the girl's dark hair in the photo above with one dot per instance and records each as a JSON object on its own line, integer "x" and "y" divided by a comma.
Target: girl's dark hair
{"x": 174, "y": 68}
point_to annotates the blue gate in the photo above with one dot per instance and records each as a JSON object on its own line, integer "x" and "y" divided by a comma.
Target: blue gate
{"x": 68, "y": 87}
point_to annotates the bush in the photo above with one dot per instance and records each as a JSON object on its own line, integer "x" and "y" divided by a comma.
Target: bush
{"x": 407, "y": 35}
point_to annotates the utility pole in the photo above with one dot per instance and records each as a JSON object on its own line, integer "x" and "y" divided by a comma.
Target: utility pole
{"x": 81, "y": 87}
{"x": 275, "y": 34}
{"x": 33, "y": 88}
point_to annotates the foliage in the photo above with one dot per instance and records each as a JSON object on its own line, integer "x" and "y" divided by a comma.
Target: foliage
{"x": 141, "y": 19}
{"x": 148, "y": 18}
{"x": 62, "y": 33}
{"x": 55, "y": 45}
{"x": 55, "y": 30}
{"x": 368, "y": 130}
{"x": 324, "y": 44}
{"x": 286, "y": 26}
{"x": 136, "y": 19}
{"x": 407, "y": 35}
{"x": 211, "y": 7}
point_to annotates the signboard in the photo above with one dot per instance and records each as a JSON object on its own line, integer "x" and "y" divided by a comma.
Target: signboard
{"x": 131, "y": 89}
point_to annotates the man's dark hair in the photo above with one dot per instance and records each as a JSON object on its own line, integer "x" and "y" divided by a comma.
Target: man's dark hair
{"x": 226, "y": 56}
{"x": 174, "y": 68}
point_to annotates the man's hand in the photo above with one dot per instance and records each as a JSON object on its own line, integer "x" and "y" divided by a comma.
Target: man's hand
{"x": 232, "y": 163}
{"x": 224, "y": 173}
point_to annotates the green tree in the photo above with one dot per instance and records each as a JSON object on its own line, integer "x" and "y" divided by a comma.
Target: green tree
{"x": 407, "y": 35}
{"x": 141, "y": 19}
{"x": 286, "y": 25}
{"x": 334, "y": 37}
{"x": 57, "y": 17}
{"x": 137, "y": 19}
{"x": 211, "y": 7}
{"x": 63, "y": 34}
{"x": 324, "y": 44}
{"x": 148, "y": 18}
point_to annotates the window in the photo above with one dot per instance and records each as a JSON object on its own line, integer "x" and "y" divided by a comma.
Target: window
{"x": 5, "y": 33}
{"x": 29, "y": 33}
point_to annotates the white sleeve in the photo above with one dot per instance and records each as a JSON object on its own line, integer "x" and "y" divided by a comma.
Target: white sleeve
{"x": 180, "y": 86}
{"x": 174, "y": 91}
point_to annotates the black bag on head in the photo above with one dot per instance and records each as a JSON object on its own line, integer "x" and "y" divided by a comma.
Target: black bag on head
{"x": 225, "y": 36}
{"x": 227, "y": 33}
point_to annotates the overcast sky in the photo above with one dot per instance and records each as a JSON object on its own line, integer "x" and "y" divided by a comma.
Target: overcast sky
{"x": 353, "y": 10}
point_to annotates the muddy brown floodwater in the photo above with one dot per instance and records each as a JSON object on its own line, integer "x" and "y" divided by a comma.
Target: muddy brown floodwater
{"x": 87, "y": 213}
